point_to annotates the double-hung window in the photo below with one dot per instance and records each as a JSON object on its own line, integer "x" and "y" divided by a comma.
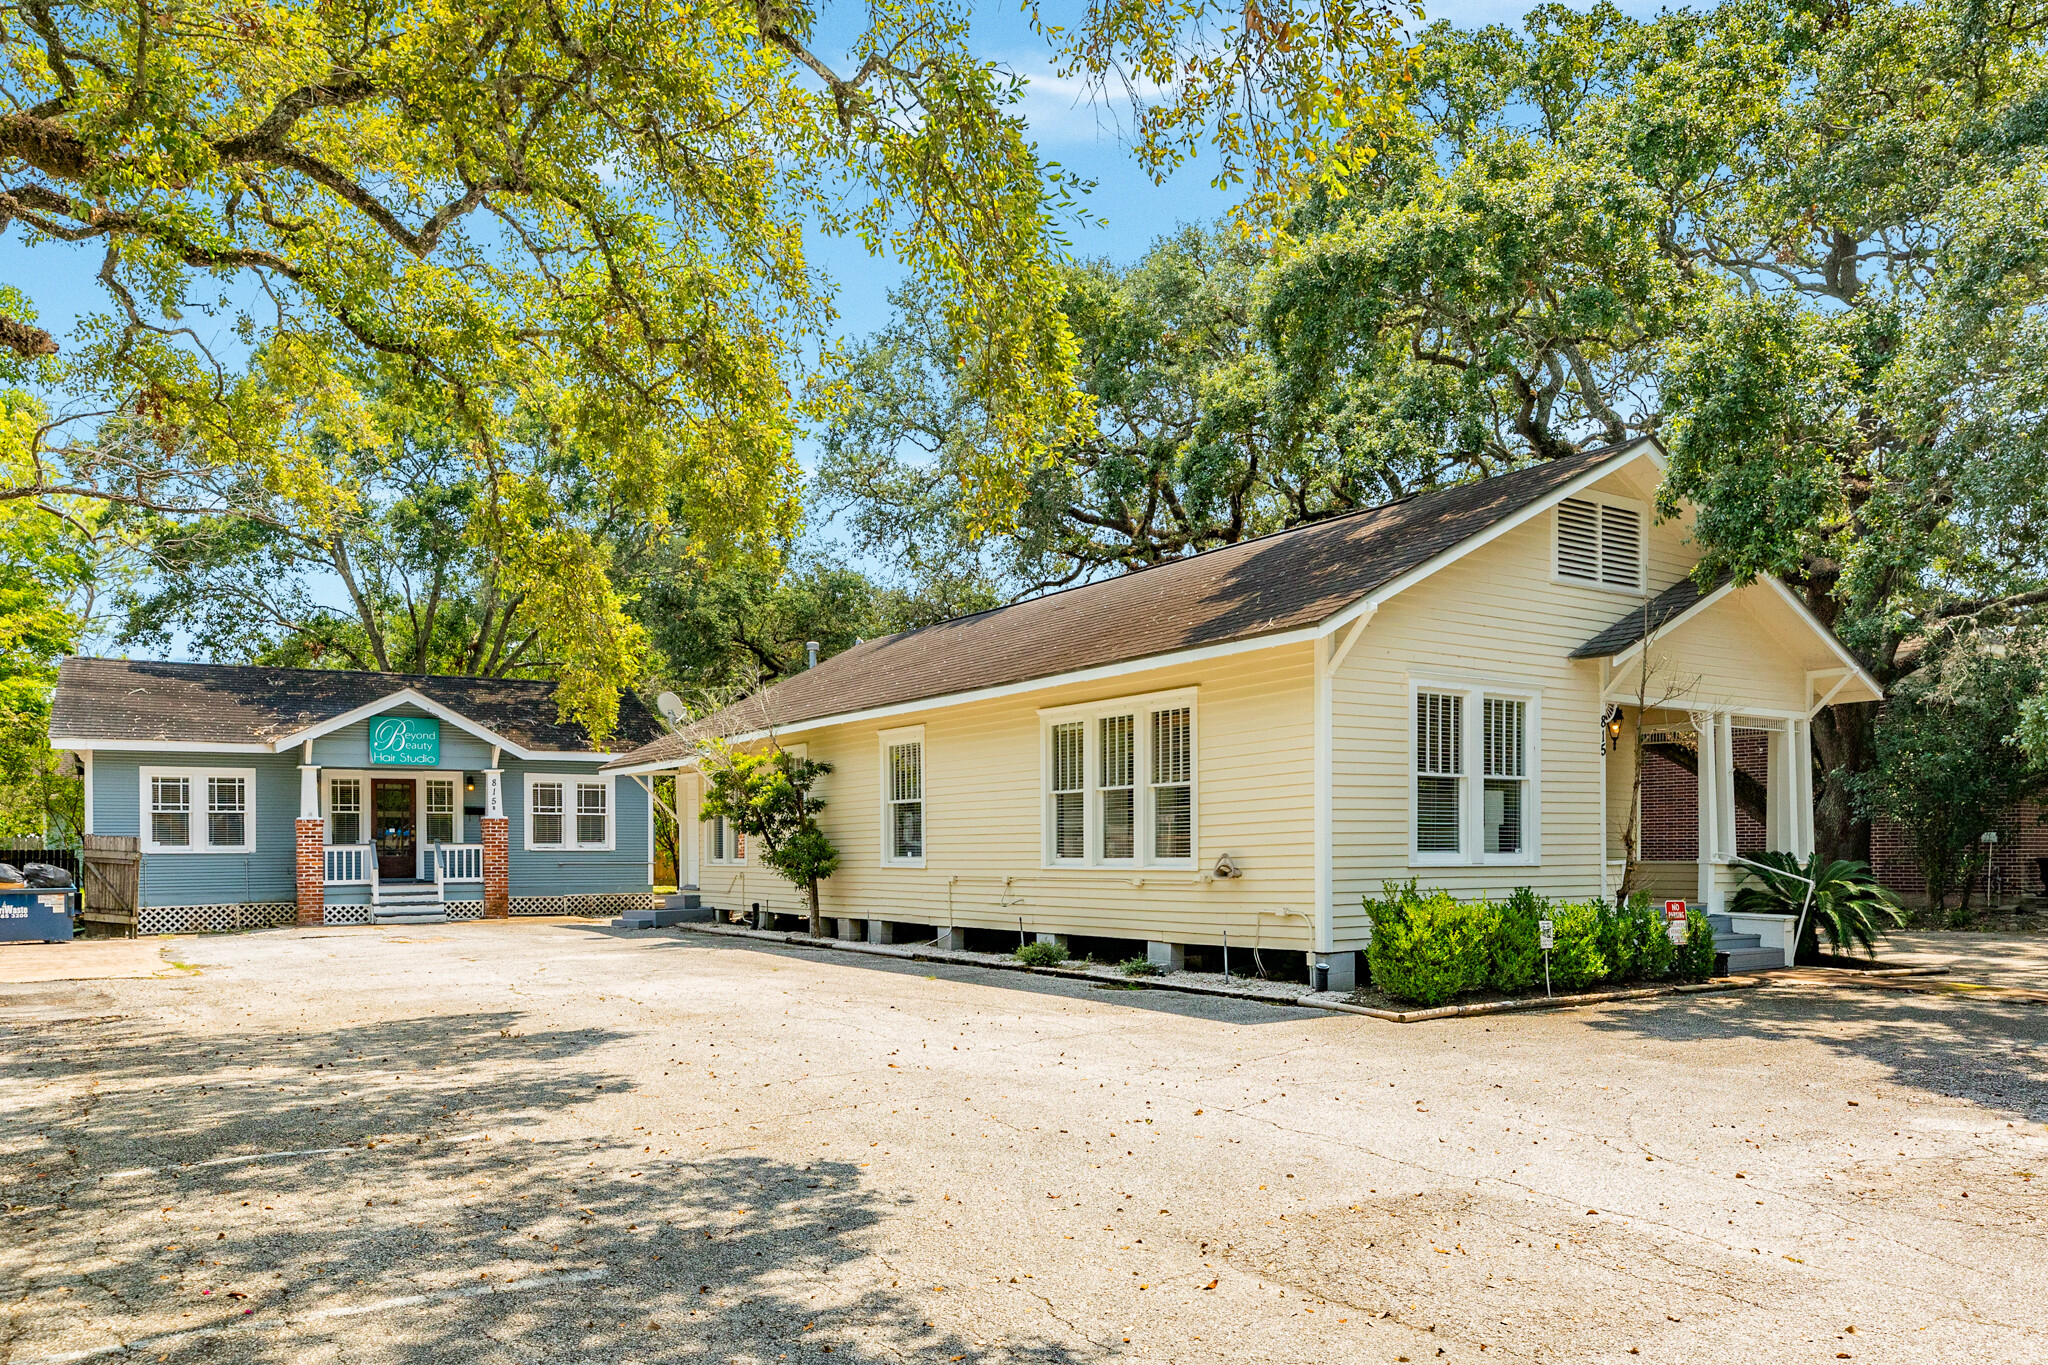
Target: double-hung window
{"x": 568, "y": 813}
{"x": 1460, "y": 815}
{"x": 438, "y": 819}
{"x": 170, "y": 811}
{"x": 723, "y": 843}
{"x": 197, "y": 810}
{"x": 903, "y": 797}
{"x": 1119, "y": 782}
{"x": 1600, "y": 542}
{"x": 1505, "y": 774}
{"x": 344, "y": 810}
{"x": 593, "y": 814}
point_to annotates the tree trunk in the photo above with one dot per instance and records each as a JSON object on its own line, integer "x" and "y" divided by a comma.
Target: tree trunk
{"x": 817, "y": 920}
{"x": 1844, "y": 746}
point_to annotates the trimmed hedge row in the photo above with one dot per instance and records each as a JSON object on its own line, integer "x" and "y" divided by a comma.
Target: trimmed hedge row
{"x": 1428, "y": 946}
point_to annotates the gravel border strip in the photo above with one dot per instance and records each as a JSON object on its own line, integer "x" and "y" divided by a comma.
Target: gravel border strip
{"x": 1329, "y": 1000}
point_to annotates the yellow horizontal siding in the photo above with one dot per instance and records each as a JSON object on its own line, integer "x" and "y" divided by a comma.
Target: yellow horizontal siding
{"x": 983, "y": 861}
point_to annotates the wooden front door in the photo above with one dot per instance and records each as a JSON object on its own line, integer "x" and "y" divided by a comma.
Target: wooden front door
{"x": 395, "y": 823}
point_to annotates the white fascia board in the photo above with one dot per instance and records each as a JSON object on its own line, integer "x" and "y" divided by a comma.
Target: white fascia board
{"x": 1643, "y": 448}
{"x": 1835, "y": 646}
{"x": 404, "y": 696}
{"x": 1671, "y": 624}
{"x": 654, "y": 767}
{"x": 112, "y": 744}
{"x": 1082, "y": 675}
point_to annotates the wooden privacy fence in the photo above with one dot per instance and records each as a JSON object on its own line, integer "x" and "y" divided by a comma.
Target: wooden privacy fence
{"x": 112, "y": 883}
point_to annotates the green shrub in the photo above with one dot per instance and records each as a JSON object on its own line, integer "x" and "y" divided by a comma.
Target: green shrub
{"x": 1041, "y": 954}
{"x": 1638, "y": 943}
{"x": 1140, "y": 966}
{"x": 1695, "y": 957}
{"x": 1516, "y": 960}
{"x": 1577, "y": 956}
{"x": 1428, "y": 948}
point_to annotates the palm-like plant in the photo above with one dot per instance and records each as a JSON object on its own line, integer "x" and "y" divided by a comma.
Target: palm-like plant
{"x": 1847, "y": 904}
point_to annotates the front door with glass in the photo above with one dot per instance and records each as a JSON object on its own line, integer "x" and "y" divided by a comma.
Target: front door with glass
{"x": 395, "y": 823}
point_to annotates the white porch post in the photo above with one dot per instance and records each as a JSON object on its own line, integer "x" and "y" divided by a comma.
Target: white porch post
{"x": 1724, "y": 785}
{"x": 689, "y": 833}
{"x": 1707, "y": 728}
{"x": 1778, "y": 789}
{"x": 309, "y": 791}
{"x": 494, "y": 794}
{"x": 1800, "y": 763}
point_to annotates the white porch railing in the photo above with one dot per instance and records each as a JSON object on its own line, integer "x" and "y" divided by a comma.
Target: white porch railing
{"x": 351, "y": 864}
{"x": 458, "y": 862}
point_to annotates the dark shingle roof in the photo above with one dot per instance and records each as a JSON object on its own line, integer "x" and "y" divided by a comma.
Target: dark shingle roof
{"x": 1675, "y": 601}
{"x": 1275, "y": 583}
{"x": 117, "y": 699}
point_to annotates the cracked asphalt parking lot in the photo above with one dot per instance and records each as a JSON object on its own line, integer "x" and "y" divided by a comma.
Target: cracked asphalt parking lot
{"x": 546, "y": 1141}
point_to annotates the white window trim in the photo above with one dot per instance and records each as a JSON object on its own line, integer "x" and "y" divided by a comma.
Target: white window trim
{"x": 1642, "y": 511}
{"x": 1140, "y": 707}
{"x": 908, "y": 734}
{"x": 728, "y": 861}
{"x": 1472, "y": 815}
{"x": 569, "y": 842}
{"x": 196, "y": 777}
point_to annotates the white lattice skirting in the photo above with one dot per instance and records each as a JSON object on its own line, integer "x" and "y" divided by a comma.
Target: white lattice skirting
{"x": 465, "y": 910}
{"x": 346, "y": 914}
{"x": 214, "y": 919}
{"x": 606, "y": 903}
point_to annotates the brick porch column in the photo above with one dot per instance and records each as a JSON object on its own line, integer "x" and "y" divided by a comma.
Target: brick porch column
{"x": 312, "y": 849}
{"x": 497, "y": 831}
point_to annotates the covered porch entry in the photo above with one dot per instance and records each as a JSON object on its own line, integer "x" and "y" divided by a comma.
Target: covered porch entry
{"x": 1708, "y": 701}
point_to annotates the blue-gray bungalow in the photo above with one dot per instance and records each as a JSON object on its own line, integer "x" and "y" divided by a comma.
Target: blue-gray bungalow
{"x": 267, "y": 796}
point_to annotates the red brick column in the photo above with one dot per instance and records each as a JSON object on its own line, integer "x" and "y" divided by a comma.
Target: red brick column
{"x": 312, "y": 872}
{"x": 497, "y": 867}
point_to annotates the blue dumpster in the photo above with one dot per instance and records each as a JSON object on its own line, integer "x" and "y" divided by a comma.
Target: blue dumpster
{"x": 26, "y": 916}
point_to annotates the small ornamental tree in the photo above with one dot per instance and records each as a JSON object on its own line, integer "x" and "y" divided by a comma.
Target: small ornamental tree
{"x": 769, "y": 796}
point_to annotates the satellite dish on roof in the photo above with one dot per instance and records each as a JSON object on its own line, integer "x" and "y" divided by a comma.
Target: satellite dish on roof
{"x": 671, "y": 707}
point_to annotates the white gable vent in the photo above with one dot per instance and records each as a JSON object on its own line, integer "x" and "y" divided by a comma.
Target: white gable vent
{"x": 1600, "y": 542}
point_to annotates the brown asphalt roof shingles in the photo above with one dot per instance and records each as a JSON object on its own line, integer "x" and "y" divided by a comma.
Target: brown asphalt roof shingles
{"x": 1275, "y": 583}
{"x": 116, "y": 699}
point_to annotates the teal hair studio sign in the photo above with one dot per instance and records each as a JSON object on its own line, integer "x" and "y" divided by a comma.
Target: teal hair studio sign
{"x": 405, "y": 742}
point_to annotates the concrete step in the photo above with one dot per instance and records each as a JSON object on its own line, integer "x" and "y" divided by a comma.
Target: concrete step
{"x": 1725, "y": 943}
{"x": 1751, "y": 959}
{"x": 1722, "y": 924}
{"x": 424, "y": 914}
{"x": 659, "y": 918}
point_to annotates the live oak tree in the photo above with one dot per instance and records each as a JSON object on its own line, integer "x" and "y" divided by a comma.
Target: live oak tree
{"x": 578, "y": 227}
{"x": 1802, "y": 241}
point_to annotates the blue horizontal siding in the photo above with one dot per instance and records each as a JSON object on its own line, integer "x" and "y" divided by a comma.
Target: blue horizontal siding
{"x": 349, "y": 747}
{"x": 267, "y": 874}
{"x": 560, "y": 872}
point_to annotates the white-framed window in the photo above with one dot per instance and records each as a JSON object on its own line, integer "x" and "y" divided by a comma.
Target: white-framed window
{"x": 1504, "y": 775}
{"x": 723, "y": 844}
{"x": 1600, "y": 542}
{"x": 593, "y": 814}
{"x": 198, "y": 810}
{"x": 568, "y": 812}
{"x": 903, "y": 826}
{"x": 1119, "y": 782}
{"x": 1457, "y": 814}
{"x": 344, "y": 810}
{"x": 437, "y": 814}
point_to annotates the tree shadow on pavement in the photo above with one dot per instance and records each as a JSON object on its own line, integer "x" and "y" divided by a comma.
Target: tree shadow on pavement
{"x": 1989, "y": 1051}
{"x": 137, "y": 1227}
